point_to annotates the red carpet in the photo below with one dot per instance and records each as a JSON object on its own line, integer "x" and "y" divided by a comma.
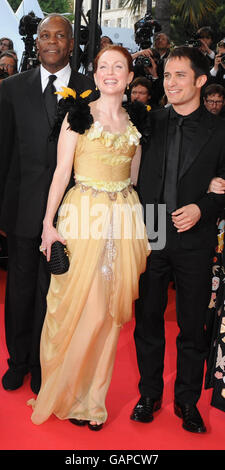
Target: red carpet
{"x": 164, "y": 433}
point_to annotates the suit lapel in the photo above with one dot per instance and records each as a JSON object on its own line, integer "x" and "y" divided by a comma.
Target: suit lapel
{"x": 35, "y": 95}
{"x": 161, "y": 145}
{"x": 73, "y": 79}
{"x": 203, "y": 134}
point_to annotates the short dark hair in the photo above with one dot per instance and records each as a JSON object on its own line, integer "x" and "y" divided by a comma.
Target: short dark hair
{"x": 7, "y": 39}
{"x": 214, "y": 89}
{"x": 205, "y": 32}
{"x": 12, "y": 56}
{"x": 143, "y": 81}
{"x": 159, "y": 34}
{"x": 199, "y": 62}
{"x": 109, "y": 39}
{"x": 55, "y": 15}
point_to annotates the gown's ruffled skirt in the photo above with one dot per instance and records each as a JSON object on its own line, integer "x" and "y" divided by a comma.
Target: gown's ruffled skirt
{"x": 88, "y": 304}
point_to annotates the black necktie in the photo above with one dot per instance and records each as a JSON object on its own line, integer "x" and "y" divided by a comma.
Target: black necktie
{"x": 172, "y": 165}
{"x": 50, "y": 99}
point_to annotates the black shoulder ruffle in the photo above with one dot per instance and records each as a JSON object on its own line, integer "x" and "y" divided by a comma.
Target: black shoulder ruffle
{"x": 140, "y": 117}
{"x": 79, "y": 115}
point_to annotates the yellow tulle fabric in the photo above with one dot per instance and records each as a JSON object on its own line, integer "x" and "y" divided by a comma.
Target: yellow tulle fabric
{"x": 86, "y": 306}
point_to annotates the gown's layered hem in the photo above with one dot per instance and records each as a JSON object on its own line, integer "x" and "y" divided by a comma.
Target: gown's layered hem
{"x": 37, "y": 420}
{"x": 88, "y": 304}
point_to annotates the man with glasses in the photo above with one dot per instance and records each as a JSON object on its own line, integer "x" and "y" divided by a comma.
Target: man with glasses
{"x": 214, "y": 99}
{"x": 8, "y": 63}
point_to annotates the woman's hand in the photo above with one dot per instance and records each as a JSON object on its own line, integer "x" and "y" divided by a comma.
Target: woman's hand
{"x": 217, "y": 185}
{"x": 48, "y": 237}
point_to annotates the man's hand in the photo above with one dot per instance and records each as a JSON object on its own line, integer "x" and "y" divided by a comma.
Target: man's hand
{"x": 3, "y": 233}
{"x": 186, "y": 217}
{"x": 144, "y": 52}
{"x": 217, "y": 185}
{"x": 218, "y": 62}
{"x": 204, "y": 47}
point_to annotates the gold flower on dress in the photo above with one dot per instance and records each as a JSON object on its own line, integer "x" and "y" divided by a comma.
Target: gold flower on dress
{"x": 120, "y": 141}
{"x": 95, "y": 131}
{"x": 108, "y": 138}
{"x": 130, "y": 137}
{"x": 133, "y": 135}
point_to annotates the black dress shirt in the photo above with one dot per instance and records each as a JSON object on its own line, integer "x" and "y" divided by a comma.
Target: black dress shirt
{"x": 189, "y": 129}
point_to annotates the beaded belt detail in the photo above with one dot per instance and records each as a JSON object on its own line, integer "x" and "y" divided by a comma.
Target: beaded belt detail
{"x": 112, "y": 194}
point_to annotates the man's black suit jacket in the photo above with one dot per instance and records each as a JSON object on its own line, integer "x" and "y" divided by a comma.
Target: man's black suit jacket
{"x": 27, "y": 155}
{"x": 204, "y": 160}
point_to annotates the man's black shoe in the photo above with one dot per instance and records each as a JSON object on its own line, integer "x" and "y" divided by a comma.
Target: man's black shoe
{"x": 144, "y": 409}
{"x": 192, "y": 420}
{"x": 14, "y": 376}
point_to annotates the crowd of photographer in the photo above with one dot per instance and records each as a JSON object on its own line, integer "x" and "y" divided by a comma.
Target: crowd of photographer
{"x": 154, "y": 47}
{"x": 8, "y": 58}
{"x": 149, "y": 64}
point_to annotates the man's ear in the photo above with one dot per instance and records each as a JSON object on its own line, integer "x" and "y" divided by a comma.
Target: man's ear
{"x": 201, "y": 80}
{"x": 71, "y": 45}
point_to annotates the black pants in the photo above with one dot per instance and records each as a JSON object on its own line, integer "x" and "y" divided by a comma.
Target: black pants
{"x": 192, "y": 273}
{"x": 25, "y": 304}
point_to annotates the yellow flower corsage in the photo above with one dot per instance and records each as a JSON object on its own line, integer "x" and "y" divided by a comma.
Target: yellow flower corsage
{"x": 66, "y": 92}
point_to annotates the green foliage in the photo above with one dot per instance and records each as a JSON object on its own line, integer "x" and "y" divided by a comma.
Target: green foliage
{"x": 14, "y": 4}
{"x": 183, "y": 30}
{"x": 56, "y": 6}
{"x": 193, "y": 11}
{"x": 49, "y": 6}
{"x": 134, "y": 5}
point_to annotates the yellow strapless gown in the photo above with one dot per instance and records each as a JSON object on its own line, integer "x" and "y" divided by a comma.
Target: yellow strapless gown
{"x": 101, "y": 219}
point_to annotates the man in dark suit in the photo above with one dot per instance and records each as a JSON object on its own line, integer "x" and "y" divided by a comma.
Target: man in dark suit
{"x": 186, "y": 150}
{"x": 27, "y": 164}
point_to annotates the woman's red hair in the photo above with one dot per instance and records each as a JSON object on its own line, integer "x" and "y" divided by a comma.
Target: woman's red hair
{"x": 114, "y": 47}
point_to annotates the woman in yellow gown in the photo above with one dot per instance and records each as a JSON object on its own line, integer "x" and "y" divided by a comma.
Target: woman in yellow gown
{"x": 101, "y": 221}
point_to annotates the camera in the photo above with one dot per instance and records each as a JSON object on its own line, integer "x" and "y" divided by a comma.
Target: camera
{"x": 28, "y": 24}
{"x": 3, "y": 74}
{"x": 194, "y": 41}
{"x": 144, "y": 61}
{"x": 222, "y": 59}
{"x": 27, "y": 28}
{"x": 144, "y": 29}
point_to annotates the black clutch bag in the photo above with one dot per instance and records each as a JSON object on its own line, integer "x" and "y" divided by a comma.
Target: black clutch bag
{"x": 59, "y": 260}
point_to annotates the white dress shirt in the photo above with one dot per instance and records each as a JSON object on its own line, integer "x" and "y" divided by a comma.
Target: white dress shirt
{"x": 214, "y": 72}
{"x": 62, "y": 79}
